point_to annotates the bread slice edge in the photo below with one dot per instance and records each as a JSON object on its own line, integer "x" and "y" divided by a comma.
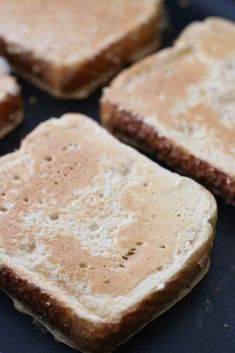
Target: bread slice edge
{"x": 60, "y": 81}
{"x": 133, "y": 130}
{"x": 92, "y": 333}
{"x": 102, "y": 336}
{"x": 11, "y": 114}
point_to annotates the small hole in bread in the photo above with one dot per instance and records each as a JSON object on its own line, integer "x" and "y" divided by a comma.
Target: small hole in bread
{"x": 93, "y": 226}
{"x": 139, "y": 243}
{"x": 130, "y": 253}
{"x": 3, "y": 194}
{"x": 124, "y": 170}
{"x": 159, "y": 268}
{"x": 3, "y": 209}
{"x": 55, "y": 182}
{"x": 121, "y": 265}
{"x": 26, "y": 200}
{"x": 162, "y": 246}
{"x": 107, "y": 281}
{"x": 145, "y": 184}
{"x": 83, "y": 265}
{"x": 16, "y": 177}
{"x": 54, "y": 216}
{"x": 48, "y": 158}
{"x": 125, "y": 257}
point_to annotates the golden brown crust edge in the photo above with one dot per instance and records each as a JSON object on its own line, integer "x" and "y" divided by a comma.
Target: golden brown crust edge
{"x": 105, "y": 337}
{"x": 133, "y": 129}
{"x": 65, "y": 82}
{"x": 11, "y": 113}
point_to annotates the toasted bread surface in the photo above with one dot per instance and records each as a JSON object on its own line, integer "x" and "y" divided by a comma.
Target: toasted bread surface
{"x": 96, "y": 240}
{"x": 182, "y": 100}
{"x": 69, "y": 48}
{"x": 10, "y": 101}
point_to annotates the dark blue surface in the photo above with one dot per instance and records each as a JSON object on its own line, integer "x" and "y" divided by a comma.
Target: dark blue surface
{"x": 203, "y": 322}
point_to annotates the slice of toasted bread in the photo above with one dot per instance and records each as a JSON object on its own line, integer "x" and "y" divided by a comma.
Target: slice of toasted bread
{"x": 179, "y": 104}
{"x": 97, "y": 240}
{"x": 11, "y": 111}
{"x": 68, "y": 48}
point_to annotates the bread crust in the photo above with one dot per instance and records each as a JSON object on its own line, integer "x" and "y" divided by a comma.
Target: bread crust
{"x": 78, "y": 81}
{"x": 133, "y": 129}
{"x": 11, "y": 113}
{"x": 63, "y": 311}
{"x": 83, "y": 91}
{"x": 104, "y": 337}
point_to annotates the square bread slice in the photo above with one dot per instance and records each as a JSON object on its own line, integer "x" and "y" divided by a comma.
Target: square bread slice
{"x": 68, "y": 48}
{"x": 11, "y": 109}
{"x": 179, "y": 104}
{"x": 97, "y": 240}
